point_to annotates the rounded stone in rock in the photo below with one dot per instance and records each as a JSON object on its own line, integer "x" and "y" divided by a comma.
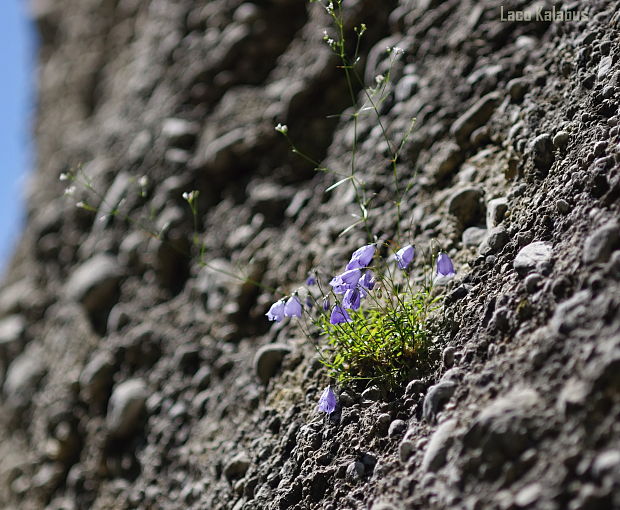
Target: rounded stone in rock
{"x": 474, "y": 117}
{"x": 97, "y": 376}
{"x": 355, "y": 470}
{"x": 534, "y": 256}
{"x": 383, "y": 506}
{"x": 405, "y": 450}
{"x": 447, "y": 356}
{"x": 371, "y": 394}
{"x": 179, "y": 132}
{"x": 22, "y": 378}
{"x": 496, "y": 210}
{"x": 95, "y": 282}
{"x": 560, "y": 140}
{"x": 437, "y": 449}
{"x": 437, "y": 396}
{"x": 126, "y": 407}
{"x": 562, "y": 206}
{"x": 268, "y": 359}
{"x": 496, "y": 239}
{"x": 602, "y": 242}
{"x": 414, "y": 388}
{"x": 473, "y": 236}
{"x": 12, "y": 329}
{"x": 382, "y": 423}
{"x": 397, "y": 428}
{"x": 532, "y": 282}
{"x": 517, "y": 88}
{"x": 542, "y": 151}
{"x": 466, "y": 205}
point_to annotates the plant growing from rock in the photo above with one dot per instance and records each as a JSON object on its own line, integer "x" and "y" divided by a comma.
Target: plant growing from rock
{"x": 373, "y": 318}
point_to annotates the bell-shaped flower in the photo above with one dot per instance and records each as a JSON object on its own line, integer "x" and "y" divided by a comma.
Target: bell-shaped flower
{"x": 339, "y": 315}
{"x": 352, "y": 299}
{"x": 326, "y": 303}
{"x": 404, "y": 256}
{"x": 311, "y": 280}
{"x": 276, "y": 312}
{"x": 345, "y": 281}
{"x": 362, "y": 257}
{"x": 444, "y": 265}
{"x": 327, "y": 402}
{"x": 368, "y": 280}
{"x": 292, "y": 308}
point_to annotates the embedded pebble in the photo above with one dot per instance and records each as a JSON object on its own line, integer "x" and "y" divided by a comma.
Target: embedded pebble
{"x": 602, "y": 242}
{"x": 560, "y": 140}
{"x": 371, "y": 394}
{"x": 126, "y": 406}
{"x": 534, "y": 256}
{"x": 532, "y": 282}
{"x": 405, "y": 449}
{"x": 268, "y": 359}
{"x": 355, "y": 470}
{"x": 476, "y": 116}
{"x": 438, "y": 446}
{"x": 414, "y": 388}
{"x": 466, "y": 205}
{"x": 94, "y": 283}
{"x": 22, "y": 378}
{"x": 97, "y": 376}
{"x": 473, "y": 236}
{"x": 542, "y": 149}
{"x": 437, "y": 396}
{"x": 237, "y": 466}
{"x": 496, "y": 210}
{"x": 397, "y": 428}
{"x": 496, "y": 239}
{"x": 447, "y": 356}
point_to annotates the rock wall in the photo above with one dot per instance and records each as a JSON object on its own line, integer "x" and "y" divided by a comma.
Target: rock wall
{"x": 134, "y": 377}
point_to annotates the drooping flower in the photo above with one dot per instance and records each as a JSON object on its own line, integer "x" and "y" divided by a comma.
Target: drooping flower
{"x": 404, "y": 256}
{"x": 326, "y": 304}
{"x": 327, "y": 402}
{"x": 339, "y": 315}
{"x": 362, "y": 257}
{"x": 309, "y": 302}
{"x": 368, "y": 280}
{"x": 311, "y": 280}
{"x": 292, "y": 308}
{"x": 352, "y": 299}
{"x": 345, "y": 281}
{"x": 276, "y": 312}
{"x": 444, "y": 265}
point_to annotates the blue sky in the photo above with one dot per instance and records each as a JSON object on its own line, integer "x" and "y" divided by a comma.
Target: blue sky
{"x": 16, "y": 110}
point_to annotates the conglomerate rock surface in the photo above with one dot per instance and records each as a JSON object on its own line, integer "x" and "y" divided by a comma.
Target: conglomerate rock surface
{"x": 134, "y": 377}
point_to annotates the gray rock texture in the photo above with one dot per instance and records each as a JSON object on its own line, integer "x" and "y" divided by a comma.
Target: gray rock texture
{"x": 137, "y": 367}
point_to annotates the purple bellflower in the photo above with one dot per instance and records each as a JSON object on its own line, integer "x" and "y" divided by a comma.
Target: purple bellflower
{"x": 368, "y": 280}
{"x": 276, "y": 312}
{"x": 311, "y": 280}
{"x": 352, "y": 299}
{"x": 345, "y": 281}
{"x": 327, "y": 402}
{"x": 326, "y": 304}
{"x": 292, "y": 308}
{"x": 339, "y": 315}
{"x": 444, "y": 265}
{"x": 404, "y": 256}
{"x": 362, "y": 257}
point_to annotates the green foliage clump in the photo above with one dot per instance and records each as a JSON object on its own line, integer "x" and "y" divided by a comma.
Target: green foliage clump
{"x": 386, "y": 343}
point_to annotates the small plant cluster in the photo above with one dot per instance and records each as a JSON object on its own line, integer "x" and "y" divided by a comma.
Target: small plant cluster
{"x": 374, "y": 320}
